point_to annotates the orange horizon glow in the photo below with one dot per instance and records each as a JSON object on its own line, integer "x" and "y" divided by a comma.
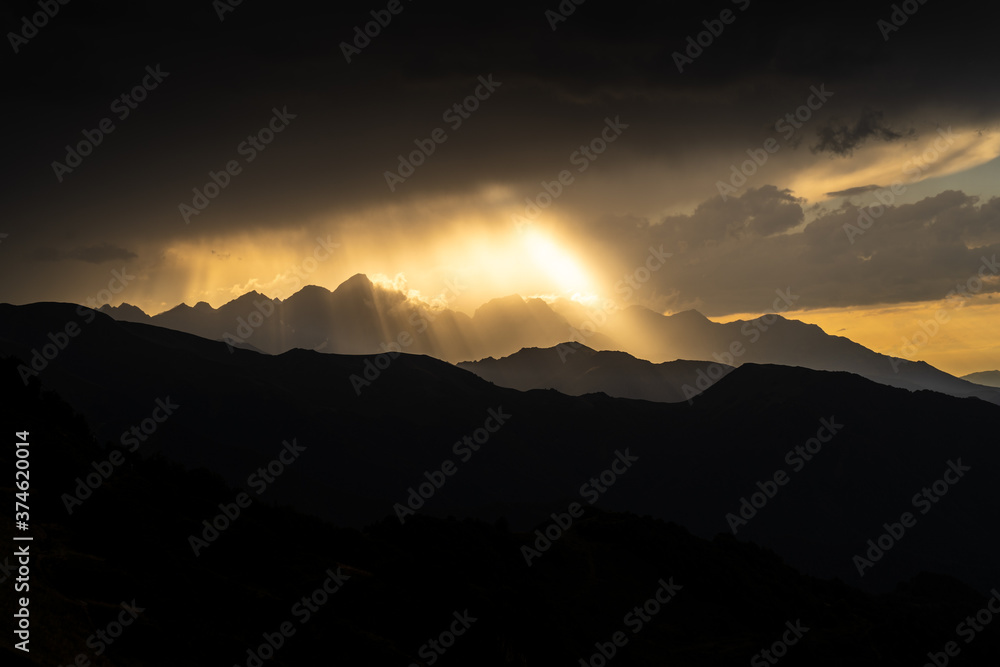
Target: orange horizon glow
{"x": 461, "y": 251}
{"x": 964, "y": 341}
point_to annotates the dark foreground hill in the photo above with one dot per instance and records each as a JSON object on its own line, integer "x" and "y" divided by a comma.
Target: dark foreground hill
{"x": 279, "y": 588}
{"x": 813, "y": 465}
{"x": 576, "y": 370}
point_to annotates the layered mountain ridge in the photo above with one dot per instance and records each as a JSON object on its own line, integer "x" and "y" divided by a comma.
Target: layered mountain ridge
{"x": 360, "y": 317}
{"x": 368, "y": 445}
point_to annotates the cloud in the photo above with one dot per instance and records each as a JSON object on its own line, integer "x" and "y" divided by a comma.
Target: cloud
{"x": 95, "y": 254}
{"x": 327, "y": 173}
{"x": 843, "y": 139}
{"x": 936, "y": 153}
{"x": 721, "y": 265}
{"x": 760, "y": 211}
{"x": 99, "y": 254}
{"x": 47, "y": 254}
{"x": 851, "y": 192}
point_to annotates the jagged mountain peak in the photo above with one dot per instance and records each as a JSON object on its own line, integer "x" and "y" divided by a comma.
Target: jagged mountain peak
{"x": 357, "y": 282}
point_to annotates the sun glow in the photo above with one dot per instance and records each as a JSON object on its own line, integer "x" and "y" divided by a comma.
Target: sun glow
{"x": 555, "y": 262}
{"x": 477, "y": 257}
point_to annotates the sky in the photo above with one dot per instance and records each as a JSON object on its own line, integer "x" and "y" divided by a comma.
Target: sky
{"x": 846, "y": 152}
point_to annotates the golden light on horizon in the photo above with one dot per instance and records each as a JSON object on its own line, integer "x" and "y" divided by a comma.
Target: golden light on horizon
{"x": 461, "y": 252}
{"x": 962, "y": 342}
{"x": 473, "y": 246}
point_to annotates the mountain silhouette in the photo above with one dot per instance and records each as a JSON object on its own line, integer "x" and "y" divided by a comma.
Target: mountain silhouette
{"x": 361, "y": 317}
{"x": 773, "y": 339}
{"x": 550, "y": 613}
{"x": 376, "y": 426}
{"x": 576, "y": 369}
{"x": 985, "y": 378}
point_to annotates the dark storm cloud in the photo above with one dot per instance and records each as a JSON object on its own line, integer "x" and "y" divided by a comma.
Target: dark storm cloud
{"x": 354, "y": 119}
{"x": 98, "y": 254}
{"x": 95, "y": 254}
{"x": 912, "y": 252}
{"x": 842, "y": 140}
{"x": 851, "y": 192}
{"x": 759, "y": 212}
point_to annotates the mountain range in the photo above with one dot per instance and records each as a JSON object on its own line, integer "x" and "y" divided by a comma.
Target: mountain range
{"x": 360, "y": 317}
{"x": 377, "y": 428}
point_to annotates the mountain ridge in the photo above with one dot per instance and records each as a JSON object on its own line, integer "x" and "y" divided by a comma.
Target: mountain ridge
{"x": 361, "y": 317}
{"x": 374, "y": 425}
